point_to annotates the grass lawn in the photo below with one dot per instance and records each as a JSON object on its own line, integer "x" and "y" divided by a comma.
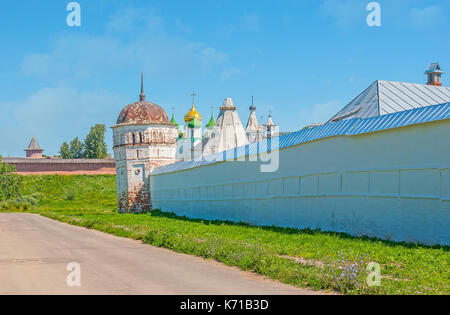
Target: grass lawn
{"x": 79, "y": 192}
{"x": 313, "y": 259}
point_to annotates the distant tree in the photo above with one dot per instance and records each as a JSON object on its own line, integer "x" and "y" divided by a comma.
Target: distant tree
{"x": 76, "y": 148}
{"x": 65, "y": 152}
{"x": 10, "y": 184}
{"x": 94, "y": 145}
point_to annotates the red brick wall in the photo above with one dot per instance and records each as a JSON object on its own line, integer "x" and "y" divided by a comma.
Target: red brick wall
{"x": 61, "y": 167}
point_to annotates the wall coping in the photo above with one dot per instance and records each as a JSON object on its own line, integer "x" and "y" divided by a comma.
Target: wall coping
{"x": 20, "y": 160}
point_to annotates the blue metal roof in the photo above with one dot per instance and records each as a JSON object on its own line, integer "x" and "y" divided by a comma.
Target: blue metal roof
{"x": 348, "y": 127}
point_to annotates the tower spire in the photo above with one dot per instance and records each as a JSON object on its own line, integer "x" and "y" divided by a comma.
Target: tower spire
{"x": 252, "y": 107}
{"x": 142, "y": 96}
{"x": 193, "y": 98}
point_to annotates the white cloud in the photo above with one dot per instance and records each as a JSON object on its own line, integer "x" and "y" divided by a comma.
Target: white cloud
{"x": 57, "y": 114}
{"x": 226, "y": 29}
{"x": 429, "y": 17}
{"x": 183, "y": 27}
{"x": 145, "y": 46}
{"x": 129, "y": 19}
{"x": 318, "y": 113}
{"x": 247, "y": 23}
{"x": 64, "y": 109}
{"x": 347, "y": 13}
{"x": 251, "y": 23}
{"x": 229, "y": 73}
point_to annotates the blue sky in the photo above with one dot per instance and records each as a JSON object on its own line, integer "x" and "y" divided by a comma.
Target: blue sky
{"x": 303, "y": 60}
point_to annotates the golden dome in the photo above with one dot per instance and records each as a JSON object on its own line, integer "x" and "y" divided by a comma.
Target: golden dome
{"x": 192, "y": 114}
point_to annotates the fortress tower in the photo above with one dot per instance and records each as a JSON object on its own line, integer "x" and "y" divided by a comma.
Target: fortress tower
{"x": 143, "y": 139}
{"x": 34, "y": 151}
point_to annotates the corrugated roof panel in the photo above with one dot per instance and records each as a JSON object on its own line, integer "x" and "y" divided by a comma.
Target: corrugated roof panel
{"x": 433, "y": 98}
{"x": 408, "y": 95}
{"x": 367, "y": 101}
{"x": 423, "y": 94}
{"x": 394, "y": 98}
{"x": 386, "y": 97}
{"x": 439, "y": 93}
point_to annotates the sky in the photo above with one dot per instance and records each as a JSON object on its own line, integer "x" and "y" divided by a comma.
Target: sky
{"x": 301, "y": 60}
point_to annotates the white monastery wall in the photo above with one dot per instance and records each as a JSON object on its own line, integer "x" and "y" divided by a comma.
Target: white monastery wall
{"x": 392, "y": 184}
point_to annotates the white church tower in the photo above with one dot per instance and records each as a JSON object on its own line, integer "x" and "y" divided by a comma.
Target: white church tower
{"x": 228, "y": 132}
{"x": 143, "y": 139}
{"x": 191, "y": 146}
{"x": 253, "y": 128}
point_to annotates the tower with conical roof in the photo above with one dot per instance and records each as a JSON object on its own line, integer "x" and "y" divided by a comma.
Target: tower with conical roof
{"x": 271, "y": 129}
{"x": 228, "y": 132}
{"x": 252, "y": 130}
{"x": 34, "y": 151}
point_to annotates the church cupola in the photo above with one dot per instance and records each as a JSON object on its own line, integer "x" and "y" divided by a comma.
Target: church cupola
{"x": 193, "y": 127}
{"x": 434, "y": 74}
{"x": 211, "y": 123}
{"x": 174, "y": 122}
{"x": 209, "y": 127}
{"x": 193, "y": 113}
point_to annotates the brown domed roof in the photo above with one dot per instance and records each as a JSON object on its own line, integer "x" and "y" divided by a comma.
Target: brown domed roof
{"x": 143, "y": 112}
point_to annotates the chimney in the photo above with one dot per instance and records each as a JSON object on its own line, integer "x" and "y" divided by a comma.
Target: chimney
{"x": 434, "y": 73}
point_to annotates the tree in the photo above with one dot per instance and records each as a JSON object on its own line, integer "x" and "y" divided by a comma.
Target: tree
{"x": 76, "y": 149}
{"x": 65, "y": 152}
{"x": 94, "y": 145}
{"x": 10, "y": 184}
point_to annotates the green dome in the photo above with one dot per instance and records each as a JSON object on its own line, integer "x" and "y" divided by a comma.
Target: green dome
{"x": 211, "y": 123}
{"x": 195, "y": 123}
{"x": 173, "y": 121}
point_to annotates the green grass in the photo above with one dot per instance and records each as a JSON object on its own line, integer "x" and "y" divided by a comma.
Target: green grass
{"x": 301, "y": 258}
{"x": 79, "y": 192}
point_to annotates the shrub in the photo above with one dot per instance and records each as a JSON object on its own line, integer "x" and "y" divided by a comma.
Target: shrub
{"x": 10, "y": 183}
{"x": 23, "y": 203}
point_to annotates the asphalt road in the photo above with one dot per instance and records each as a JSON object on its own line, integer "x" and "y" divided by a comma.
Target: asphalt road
{"x": 35, "y": 252}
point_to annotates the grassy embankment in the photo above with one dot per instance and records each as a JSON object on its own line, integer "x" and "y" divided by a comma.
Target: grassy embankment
{"x": 314, "y": 259}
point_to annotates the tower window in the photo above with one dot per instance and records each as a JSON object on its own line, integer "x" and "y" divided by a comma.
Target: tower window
{"x": 134, "y": 138}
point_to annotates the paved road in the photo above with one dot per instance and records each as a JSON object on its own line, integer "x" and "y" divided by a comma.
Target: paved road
{"x": 35, "y": 251}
